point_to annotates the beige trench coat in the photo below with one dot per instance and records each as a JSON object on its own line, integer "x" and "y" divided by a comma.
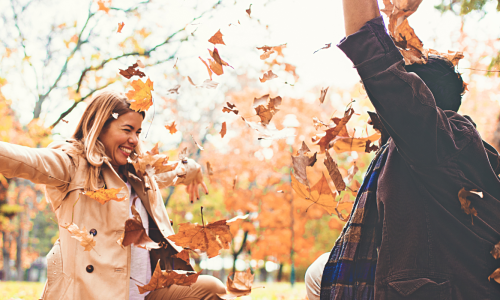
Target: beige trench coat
{"x": 72, "y": 272}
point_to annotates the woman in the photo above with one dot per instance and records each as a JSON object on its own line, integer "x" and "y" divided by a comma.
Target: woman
{"x": 96, "y": 157}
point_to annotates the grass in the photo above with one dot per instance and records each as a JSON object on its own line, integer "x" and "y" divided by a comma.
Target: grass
{"x": 14, "y": 290}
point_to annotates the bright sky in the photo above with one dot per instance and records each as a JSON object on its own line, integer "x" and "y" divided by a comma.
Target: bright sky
{"x": 305, "y": 26}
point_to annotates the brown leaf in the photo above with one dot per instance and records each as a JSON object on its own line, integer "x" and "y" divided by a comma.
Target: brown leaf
{"x": 215, "y": 55}
{"x": 135, "y": 233}
{"x": 184, "y": 255}
{"x": 496, "y": 251}
{"x": 215, "y": 67}
{"x": 268, "y": 76}
{"x": 334, "y": 172}
{"x": 371, "y": 148}
{"x": 325, "y": 47}
{"x": 354, "y": 144}
{"x": 120, "y": 27}
{"x": 465, "y": 203}
{"x": 191, "y": 81}
{"x": 171, "y": 127}
{"x": 210, "y": 171}
{"x": 175, "y": 89}
{"x": 301, "y": 162}
{"x": 351, "y": 172}
{"x": 230, "y": 108}
{"x": 266, "y": 109}
{"x": 196, "y": 143}
{"x": 103, "y": 195}
{"x": 158, "y": 163}
{"x": 211, "y": 238}
{"x": 85, "y": 238}
{"x": 132, "y": 71}
{"x": 163, "y": 279}
{"x": 223, "y": 130}
{"x": 323, "y": 140}
{"x": 206, "y": 65}
{"x": 453, "y": 56}
{"x": 270, "y": 133}
{"x": 323, "y": 95}
{"x": 217, "y": 38}
{"x": 249, "y": 10}
{"x": 495, "y": 275}
{"x": 240, "y": 285}
{"x": 355, "y": 185}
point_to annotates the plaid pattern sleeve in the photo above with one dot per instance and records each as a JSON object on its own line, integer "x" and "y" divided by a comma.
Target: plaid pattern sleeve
{"x": 350, "y": 270}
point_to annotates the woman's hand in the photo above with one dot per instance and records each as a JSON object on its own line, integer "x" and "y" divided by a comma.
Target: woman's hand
{"x": 193, "y": 180}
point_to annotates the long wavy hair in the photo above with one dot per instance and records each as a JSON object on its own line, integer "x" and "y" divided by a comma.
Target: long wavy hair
{"x": 97, "y": 116}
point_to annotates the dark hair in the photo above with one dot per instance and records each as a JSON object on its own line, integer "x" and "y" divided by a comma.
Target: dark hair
{"x": 445, "y": 83}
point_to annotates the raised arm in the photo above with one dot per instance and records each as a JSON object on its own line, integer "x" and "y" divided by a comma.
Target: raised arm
{"x": 39, "y": 165}
{"x": 422, "y": 132}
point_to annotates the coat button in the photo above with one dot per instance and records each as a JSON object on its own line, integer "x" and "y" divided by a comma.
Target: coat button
{"x": 93, "y": 232}
{"x": 90, "y": 268}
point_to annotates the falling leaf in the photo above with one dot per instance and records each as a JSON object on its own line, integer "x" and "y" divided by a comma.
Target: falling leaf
{"x": 270, "y": 133}
{"x": 85, "y": 238}
{"x": 453, "y": 56}
{"x": 325, "y": 47}
{"x": 344, "y": 205}
{"x": 320, "y": 193}
{"x": 65, "y": 121}
{"x": 184, "y": 255}
{"x": 266, "y": 109}
{"x": 465, "y": 203}
{"x": 191, "y": 81}
{"x": 140, "y": 64}
{"x": 215, "y": 67}
{"x": 135, "y": 233}
{"x": 196, "y": 143}
{"x": 354, "y": 144}
{"x": 164, "y": 279}
{"x": 216, "y": 56}
{"x": 323, "y": 95}
{"x": 120, "y": 27}
{"x": 301, "y": 162}
{"x": 206, "y": 65}
{"x": 183, "y": 154}
{"x": 371, "y": 148}
{"x": 268, "y": 76}
{"x": 210, "y": 238}
{"x": 223, "y": 130}
{"x": 104, "y": 5}
{"x": 318, "y": 123}
{"x": 230, "y": 108}
{"x": 103, "y": 195}
{"x": 175, "y": 89}
{"x": 249, "y": 10}
{"x": 324, "y": 139}
{"x": 240, "y": 285}
{"x": 210, "y": 171}
{"x": 496, "y": 251}
{"x": 152, "y": 162}
{"x": 141, "y": 95}
{"x": 351, "y": 172}
{"x": 217, "y": 38}
{"x": 171, "y": 127}
{"x": 266, "y": 54}
{"x": 132, "y": 71}
{"x": 495, "y": 275}
{"x": 278, "y": 49}
{"x": 355, "y": 185}
{"x": 334, "y": 172}
{"x": 115, "y": 115}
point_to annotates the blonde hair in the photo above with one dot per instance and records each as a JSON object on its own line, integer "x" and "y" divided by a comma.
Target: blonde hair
{"x": 97, "y": 116}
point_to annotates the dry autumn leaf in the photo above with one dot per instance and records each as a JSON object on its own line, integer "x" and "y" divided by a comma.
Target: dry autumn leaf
{"x": 268, "y": 76}
{"x": 323, "y": 95}
{"x": 344, "y": 208}
{"x": 210, "y": 238}
{"x": 223, "y": 130}
{"x": 152, "y": 162}
{"x": 324, "y": 139}
{"x": 104, "y": 5}
{"x": 320, "y": 193}
{"x": 495, "y": 275}
{"x": 354, "y": 144}
{"x": 465, "y": 203}
{"x": 85, "y": 238}
{"x": 240, "y": 285}
{"x": 249, "y": 10}
{"x": 196, "y": 143}
{"x": 334, "y": 172}
{"x": 217, "y": 38}
{"x": 171, "y": 127}
{"x": 206, "y": 65}
{"x": 163, "y": 279}
{"x": 351, "y": 172}
{"x": 496, "y": 251}
{"x": 270, "y": 133}
{"x": 369, "y": 147}
{"x": 131, "y": 71}
{"x": 266, "y": 109}
{"x": 103, "y": 195}
{"x": 184, "y": 255}
{"x": 120, "y": 27}
{"x": 301, "y": 162}
{"x": 453, "y": 56}
{"x": 135, "y": 233}
{"x": 141, "y": 98}
{"x": 230, "y": 108}
{"x": 175, "y": 89}
{"x": 325, "y": 47}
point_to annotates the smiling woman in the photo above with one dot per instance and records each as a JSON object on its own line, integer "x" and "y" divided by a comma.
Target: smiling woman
{"x": 97, "y": 157}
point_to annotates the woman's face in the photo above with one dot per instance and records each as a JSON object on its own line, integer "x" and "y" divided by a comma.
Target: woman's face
{"x": 121, "y": 136}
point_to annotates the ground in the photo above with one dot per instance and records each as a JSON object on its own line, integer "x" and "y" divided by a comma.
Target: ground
{"x": 273, "y": 291}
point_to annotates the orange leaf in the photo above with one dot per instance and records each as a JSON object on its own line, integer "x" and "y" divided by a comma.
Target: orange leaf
{"x": 266, "y": 109}
{"x": 164, "y": 279}
{"x": 135, "y": 233}
{"x": 171, "y": 127}
{"x": 223, "y": 130}
{"x": 103, "y": 195}
{"x": 184, "y": 255}
{"x": 334, "y": 172}
{"x": 206, "y": 65}
{"x": 152, "y": 163}
{"x": 141, "y": 97}
{"x": 268, "y": 76}
{"x": 85, "y": 238}
{"x": 217, "y": 38}
{"x": 495, "y": 275}
{"x": 240, "y": 285}
{"x": 344, "y": 205}
{"x": 104, "y": 5}
{"x": 301, "y": 162}
{"x": 323, "y": 140}
{"x": 354, "y": 144}
{"x": 120, "y": 27}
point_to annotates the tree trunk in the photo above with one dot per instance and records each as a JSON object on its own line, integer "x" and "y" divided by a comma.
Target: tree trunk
{"x": 6, "y": 255}
{"x": 280, "y": 273}
{"x": 19, "y": 250}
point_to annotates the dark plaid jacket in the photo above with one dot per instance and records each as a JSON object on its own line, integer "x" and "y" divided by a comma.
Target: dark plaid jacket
{"x": 429, "y": 248}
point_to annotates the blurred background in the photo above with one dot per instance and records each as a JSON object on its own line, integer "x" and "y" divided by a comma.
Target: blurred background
{"x": 54, "y": 55}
